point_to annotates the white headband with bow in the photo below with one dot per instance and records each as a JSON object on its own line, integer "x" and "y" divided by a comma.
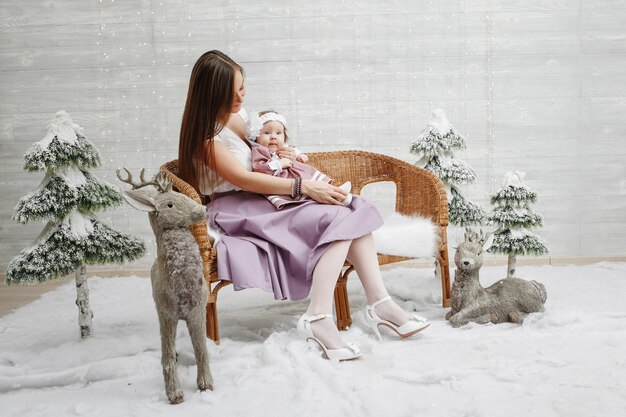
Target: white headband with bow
{"x": 273, "y": 117}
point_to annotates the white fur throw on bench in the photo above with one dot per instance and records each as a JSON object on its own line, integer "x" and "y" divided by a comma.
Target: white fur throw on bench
{"x": 410, "y": 236}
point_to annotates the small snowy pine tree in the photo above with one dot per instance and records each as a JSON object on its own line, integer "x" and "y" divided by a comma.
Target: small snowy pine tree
{"x": 513, "y": 218}
{"x": 436, "y": 146}
{"x": 67, "y": 198}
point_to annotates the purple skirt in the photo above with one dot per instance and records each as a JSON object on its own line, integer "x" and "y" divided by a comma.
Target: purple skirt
{"x": 277, "y": 250}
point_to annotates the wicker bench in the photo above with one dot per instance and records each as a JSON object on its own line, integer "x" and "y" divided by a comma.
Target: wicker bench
{"x": 418, "y": 192}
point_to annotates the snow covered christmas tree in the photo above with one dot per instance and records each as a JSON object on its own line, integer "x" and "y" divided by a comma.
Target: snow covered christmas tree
{"x": 513, "y": 217}
{"x": 66, "y": 199}
{"x": 436, "y": 146}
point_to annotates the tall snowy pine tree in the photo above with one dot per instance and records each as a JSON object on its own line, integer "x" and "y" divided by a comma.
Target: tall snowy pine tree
{"x": 513, "y": 218}
{"x": 436, "y": 146}
{"x": 66, "y": 199}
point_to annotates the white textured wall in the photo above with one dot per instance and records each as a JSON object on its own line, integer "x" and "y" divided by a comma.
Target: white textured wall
{"x": 535, "y": 85}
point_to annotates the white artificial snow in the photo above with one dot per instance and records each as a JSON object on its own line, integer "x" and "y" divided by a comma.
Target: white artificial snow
{"x": 520, "y": 211}
{"x": 79, "y": 224}
{"x": 73, "y": 177}
{"x": 520, "y": 233}
{"x": 62, "y": 128}
{"x": 410, "y": 236}
{"x": 423, "y": 161}
{"x": 565, "y": 362}
{"x": 439, "y": 122}
{"x": 44, "y": 182}
{"x": 514, "y": 179}
{"x": 450, "y": 162}
{"x": 454, "y": 170}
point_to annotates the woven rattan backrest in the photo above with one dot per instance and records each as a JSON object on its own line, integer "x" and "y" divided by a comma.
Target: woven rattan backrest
{"x": 417, "y": 191}
{"x": 199, "y": 230}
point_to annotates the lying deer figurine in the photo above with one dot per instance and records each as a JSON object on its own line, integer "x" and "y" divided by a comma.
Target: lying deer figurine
{"x": 178, "y": 286}
{"x": 508, "y": 300}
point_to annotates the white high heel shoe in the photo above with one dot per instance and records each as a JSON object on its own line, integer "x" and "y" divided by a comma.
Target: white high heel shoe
{"x": 415, "y": 324}
{"x": 351, "y": 351}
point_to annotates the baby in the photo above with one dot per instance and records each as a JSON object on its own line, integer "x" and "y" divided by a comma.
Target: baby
{"x": 273, "y": 136}
{"x": 267, "y": 158}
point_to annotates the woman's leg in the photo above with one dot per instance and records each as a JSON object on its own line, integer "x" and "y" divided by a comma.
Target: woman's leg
{"x": 362, "y": 254}
{"x": 325, "y": 277}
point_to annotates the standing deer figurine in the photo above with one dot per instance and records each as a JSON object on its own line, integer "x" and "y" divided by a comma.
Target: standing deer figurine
{"x": 178, "y": 286}
{"x": 508, "y": 300}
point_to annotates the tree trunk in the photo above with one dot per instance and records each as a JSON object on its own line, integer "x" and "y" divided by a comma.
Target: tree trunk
{"x": 511, "y": 266}
{"x": 82, "y": 301}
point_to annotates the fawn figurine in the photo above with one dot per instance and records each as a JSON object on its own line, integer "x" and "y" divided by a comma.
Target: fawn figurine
{"x": 508, "y": 300}
{"x": 178, "y": 286}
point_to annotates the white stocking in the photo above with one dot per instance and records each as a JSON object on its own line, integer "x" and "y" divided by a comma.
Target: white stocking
{"x": 325, "y": 277}
{"x": 362, "y": 255}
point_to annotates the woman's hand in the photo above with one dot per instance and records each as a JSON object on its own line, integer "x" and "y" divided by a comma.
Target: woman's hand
{"x": 323, "y": 192}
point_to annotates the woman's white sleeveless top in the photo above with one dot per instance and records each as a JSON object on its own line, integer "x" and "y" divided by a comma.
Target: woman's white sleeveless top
{"x": 240, "y": 150}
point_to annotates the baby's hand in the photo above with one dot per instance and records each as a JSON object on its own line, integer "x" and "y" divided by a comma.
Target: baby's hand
{"x": 287, "y": 152}
{"x": 285, "y": 163}
{"x": 304, "y": 158}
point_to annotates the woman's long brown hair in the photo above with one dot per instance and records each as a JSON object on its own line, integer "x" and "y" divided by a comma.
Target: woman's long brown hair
{"x": 207, "y": 108}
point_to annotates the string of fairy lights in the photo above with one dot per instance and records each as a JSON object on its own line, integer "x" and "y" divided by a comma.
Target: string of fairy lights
{"x": 358, "y": 72}
{"x": 121, "y": 86}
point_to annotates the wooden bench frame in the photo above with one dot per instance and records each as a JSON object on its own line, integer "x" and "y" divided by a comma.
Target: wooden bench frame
{"x": 418, "y": 192}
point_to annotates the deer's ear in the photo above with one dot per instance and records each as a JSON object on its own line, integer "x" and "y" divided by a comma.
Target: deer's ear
{"x": 489, "y": 241}
{"x": 139, "y": 200}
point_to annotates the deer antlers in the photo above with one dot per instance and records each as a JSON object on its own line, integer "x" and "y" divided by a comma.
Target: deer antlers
{"x": 159, "y": 181}
{"x": 473, "y": 236}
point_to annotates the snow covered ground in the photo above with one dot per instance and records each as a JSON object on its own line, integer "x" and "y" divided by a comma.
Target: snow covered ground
{"x": 568, "y": 361}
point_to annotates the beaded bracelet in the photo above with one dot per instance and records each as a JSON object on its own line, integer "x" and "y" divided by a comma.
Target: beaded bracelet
{"x": 296, "y": 190}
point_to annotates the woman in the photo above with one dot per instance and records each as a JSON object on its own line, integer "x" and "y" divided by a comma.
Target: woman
{"x": 290, "y": 252}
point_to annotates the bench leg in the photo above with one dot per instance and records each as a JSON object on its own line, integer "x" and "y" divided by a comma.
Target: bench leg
{"x": 443, "y": 272}
{"x": 444, "y": 267}
{"x": 212, "y": 324}
{"x": 342, "y": 305}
